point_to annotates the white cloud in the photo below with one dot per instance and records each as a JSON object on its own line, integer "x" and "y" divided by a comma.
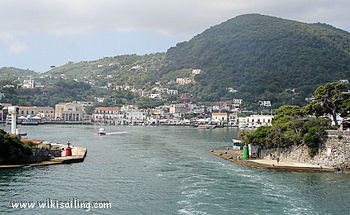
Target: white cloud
{"x": 179, "y": 17}
{"x": 13, "y": 45}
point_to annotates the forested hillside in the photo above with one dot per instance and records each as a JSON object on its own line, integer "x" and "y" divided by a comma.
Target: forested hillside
{"x": 264, "y": 57}
{"x": 11, "y": 73}
{"x": 253, "y": 57}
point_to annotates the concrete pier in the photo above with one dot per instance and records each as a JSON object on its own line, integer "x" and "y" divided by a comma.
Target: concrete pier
{"x": 236, "y": 157}
{"x": 78, "y": 155}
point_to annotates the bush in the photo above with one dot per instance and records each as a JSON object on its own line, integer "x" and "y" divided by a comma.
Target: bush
{"x": 12, "y": 150}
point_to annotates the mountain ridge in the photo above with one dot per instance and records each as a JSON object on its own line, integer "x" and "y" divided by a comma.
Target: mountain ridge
{"x": 260, "y": 57}
{"x": 255, "y": 48}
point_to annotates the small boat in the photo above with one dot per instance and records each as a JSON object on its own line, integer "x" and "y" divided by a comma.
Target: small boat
{"x": 30, "y": 122}
{"x": 237, "y": 144}
{"x": 101, "y": 132}
{"x": 206, "y": 126}
{"x": 23, "y": 134}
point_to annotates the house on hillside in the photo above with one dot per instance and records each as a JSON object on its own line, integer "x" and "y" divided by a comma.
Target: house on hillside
{"x": 183, "y": 81}
{"x": 265, "y": 103}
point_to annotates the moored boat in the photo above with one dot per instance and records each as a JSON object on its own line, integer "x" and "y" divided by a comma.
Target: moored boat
{"x": 206, "y": 126}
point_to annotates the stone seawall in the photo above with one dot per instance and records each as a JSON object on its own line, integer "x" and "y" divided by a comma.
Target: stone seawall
{"x": 335, "y": 152}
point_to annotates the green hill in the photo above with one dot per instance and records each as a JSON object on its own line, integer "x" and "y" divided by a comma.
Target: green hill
{"x": 11, "y": 73}
{"x": 125, "y": 69}
{"x": 264, "y": 58}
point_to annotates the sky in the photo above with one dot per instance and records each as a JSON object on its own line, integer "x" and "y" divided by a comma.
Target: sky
{"x": 37, "y": 34}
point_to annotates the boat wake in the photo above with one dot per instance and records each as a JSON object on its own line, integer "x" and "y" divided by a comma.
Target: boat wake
{"x": 119, "y": 132}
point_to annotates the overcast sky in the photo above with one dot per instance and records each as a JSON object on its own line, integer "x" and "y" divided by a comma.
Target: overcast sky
{"x": 36, "y": 34}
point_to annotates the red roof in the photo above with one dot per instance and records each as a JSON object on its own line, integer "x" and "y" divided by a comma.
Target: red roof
{"x": 107, "y": 109}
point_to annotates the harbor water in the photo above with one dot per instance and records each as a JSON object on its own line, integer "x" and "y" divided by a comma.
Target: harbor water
{"x": 165, "y": 170}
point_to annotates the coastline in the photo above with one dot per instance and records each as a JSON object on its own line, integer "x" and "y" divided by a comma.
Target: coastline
{"x": 235, "y": 157}
{"x": 79, "y": 157}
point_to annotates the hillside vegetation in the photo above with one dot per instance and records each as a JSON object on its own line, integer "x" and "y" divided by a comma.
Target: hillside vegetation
{"x": 264, "y": 57}
{"x": 11, "y": 73}
{"x": 124, "y": 69}
{"x": 12, "y": 150}
{"x": 258, "y": 57}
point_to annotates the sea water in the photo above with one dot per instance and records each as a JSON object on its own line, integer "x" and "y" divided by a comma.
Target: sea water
{"x": 163, "y": 170}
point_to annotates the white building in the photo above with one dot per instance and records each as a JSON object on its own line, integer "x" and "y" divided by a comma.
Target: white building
{"x": 231, "y": 90}
{"x": 255, "y": 120}
{"x": 43, "y": 112}
{"x": 172, "y": 92}
{"x": 183, "y": 81}
{"x": 136, "y": 116}
{"x": 155, "y": 96}
{"x": 31, "y": 83}
{"x": 106, "y": 115}
{"x": 69, "y": 111}
{"x": 344, "y": 81}
{"x": 221, "y": 117}
{"x": 196, "y": 71}
{"x": 216, "y": 108}
{"x": 265, "y": 103}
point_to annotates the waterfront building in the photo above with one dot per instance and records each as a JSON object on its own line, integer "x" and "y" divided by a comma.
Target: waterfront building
{"x": 232, "y": 119}
{"x": 179, "y": 108}
{"x": 255, "y": 120}
{"x": 69, "y": 111}
{"x": 135, "y": 116}
{"x": 220, "y": 117}
{"x": 42, "y": 112}
{"x": 106, "y": 115}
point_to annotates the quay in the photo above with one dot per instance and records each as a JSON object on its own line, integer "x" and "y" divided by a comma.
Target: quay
{"x": 235, "y": 156}
{"x": 78, "y": 155}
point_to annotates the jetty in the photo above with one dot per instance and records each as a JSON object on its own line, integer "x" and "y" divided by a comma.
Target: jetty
{"x": 78, "y": 155}
{"x": 235, "y": 156}
{"x": 44, "y": 154}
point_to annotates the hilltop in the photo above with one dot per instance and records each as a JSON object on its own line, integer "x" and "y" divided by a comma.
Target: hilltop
{"x": 264, "y": 57}
{"x": 11, "y": 73}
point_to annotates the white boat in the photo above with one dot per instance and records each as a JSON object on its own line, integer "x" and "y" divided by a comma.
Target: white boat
{"x": 101, "y": 131}
{"x": 236, "y": 144}
{"x": 242, "y": 125}
{"x": 206, "y": 126}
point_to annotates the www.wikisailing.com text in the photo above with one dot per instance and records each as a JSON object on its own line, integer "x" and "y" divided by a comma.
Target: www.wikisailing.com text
{"x": 59, "y": 204}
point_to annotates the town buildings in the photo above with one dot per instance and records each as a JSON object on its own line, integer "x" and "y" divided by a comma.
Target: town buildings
{"x": 69, "y": 112}
{"x": 220, "y": 118}
{"x": 106, "y": 115}
{"x": 254, "y": 120}
{"x": 47, "y": 113}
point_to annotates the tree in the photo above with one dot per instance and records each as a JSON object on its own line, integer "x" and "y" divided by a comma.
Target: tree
{"x": 13, "y": 150}
{"x": 329, "y": 99}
